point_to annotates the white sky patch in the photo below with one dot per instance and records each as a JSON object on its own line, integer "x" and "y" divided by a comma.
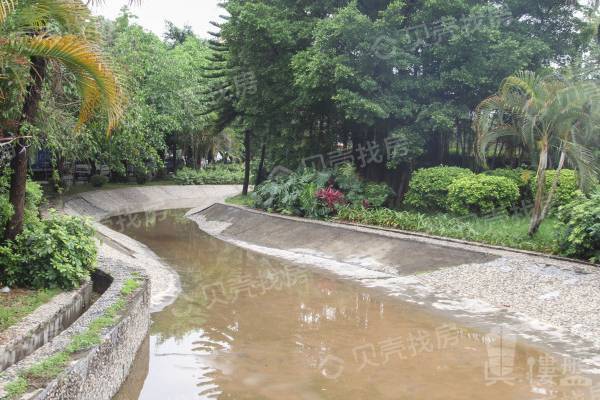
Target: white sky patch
{"x": 152, "y": 14}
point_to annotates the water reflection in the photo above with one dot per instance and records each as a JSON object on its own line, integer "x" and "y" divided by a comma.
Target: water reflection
{"x": 251, "y": 327}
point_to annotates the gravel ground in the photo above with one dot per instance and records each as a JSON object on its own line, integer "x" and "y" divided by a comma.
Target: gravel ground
{"x": 565, "y": 297}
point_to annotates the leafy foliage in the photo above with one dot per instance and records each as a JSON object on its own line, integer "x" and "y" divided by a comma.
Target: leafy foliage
{"x": 482, "y": 195}
{"x": 579, "y": 235}
{"x": 331, "y": 197}
{"x": 58, "y": 252}
{"x": 503, "y": 231}
{"x": 429, "y": 187}
{"x": 219, "y": 174}
{"x": 522, "y": 177}
{"x": 567, "y": 190}
{"x": 33, "y": 199}
{"x": 318, "y": 194}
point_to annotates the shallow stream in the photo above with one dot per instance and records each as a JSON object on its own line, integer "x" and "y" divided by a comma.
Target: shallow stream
{"x": 247, "y": 326}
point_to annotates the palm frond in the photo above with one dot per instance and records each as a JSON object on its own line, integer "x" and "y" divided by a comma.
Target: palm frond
{"x": 99, "y": 85}
{"x": 72, "y": 16}
{"x": 6, "y": 8}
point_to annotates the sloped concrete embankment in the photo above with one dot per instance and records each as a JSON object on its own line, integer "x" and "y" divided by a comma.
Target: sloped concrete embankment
{"x": 552, "y": 303}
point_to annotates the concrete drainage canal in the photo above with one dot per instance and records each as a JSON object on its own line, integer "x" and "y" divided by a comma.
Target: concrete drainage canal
{"x": 249, "y": 326}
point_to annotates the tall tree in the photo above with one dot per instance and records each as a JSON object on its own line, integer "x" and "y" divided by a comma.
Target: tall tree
{"x": 62, "y": 33}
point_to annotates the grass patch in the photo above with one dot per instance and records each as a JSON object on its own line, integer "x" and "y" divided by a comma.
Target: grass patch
{"x": 49, "y": 368}
{"x": 19, "y": 303}
{"x": 129, "y": 286}
{"x": 16, "y": 388}
{"x": 507, "y": 231}
{"x": 240, "y": 200}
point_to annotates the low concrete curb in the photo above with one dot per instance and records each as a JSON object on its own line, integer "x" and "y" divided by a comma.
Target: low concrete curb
{"x": 42, "y": 325}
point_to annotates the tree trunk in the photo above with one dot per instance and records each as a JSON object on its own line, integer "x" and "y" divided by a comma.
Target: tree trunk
{"x": 260, "y": 174}
{"x": 548, "y": 204}
{"x": 247, "y": 155}
{"x": 18, "y": 180}
{"x": 536, "y": 216}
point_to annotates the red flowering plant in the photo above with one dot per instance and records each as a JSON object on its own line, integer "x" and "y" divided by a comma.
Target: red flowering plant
{"x": 331, "y": 197}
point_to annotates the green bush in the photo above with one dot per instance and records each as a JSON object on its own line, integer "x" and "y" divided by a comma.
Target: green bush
{"x": 482, "y": 194}
{"x": 296, "y": 193}
{"x": 357, "y": 192}
{"x": 579, "y": 233}
{"x": 289, "y": 195}
{"x": 376, "y": 194}
{"x": 522, "y": 177}
{"x": 567, "y": 190}
{"x": 6, "y": 212}
{"x": 98, "y": 180}
{"x": 58, "y": 252}
{"x": 219, "y": 174}
{"x": 428, "y": 189}
{"x": 33, "y": 200}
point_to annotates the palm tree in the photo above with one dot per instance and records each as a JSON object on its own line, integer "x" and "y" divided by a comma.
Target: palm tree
{"x": 551, "y": 115}
{"x": 34, "y": 34}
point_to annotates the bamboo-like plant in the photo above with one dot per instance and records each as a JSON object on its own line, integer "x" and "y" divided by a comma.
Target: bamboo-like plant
{"x": 33, "y": 34}
{"x": 552, "y": 114}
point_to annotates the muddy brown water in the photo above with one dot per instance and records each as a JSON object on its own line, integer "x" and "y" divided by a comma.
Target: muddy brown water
{"x": 248, "y": 326}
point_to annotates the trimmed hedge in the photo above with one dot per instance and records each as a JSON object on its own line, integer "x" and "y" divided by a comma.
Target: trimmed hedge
{"x": 482, "y": 194}
{"x": 522, "y": 177}
{"x": 428, "y": 189}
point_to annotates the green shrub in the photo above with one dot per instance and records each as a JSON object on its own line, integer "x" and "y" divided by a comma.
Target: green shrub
{"x": 142, "y": 175}
{"x": 504, "y": 231}
{"x": 33, "y": 200}
{"x": 358, "y": 192}
{"x": 297, "y": 193}
{"x": 6, "y": 212}
{"x": 98, "y": 180}
{"x": 376, "y": 194}
{"x": 287, "y": 195}
{"x": 579, "y": 235}
{"x": 428, "y": 189}
{"x": 482, "y": 194}
{"x": 219, "y": 174}
{"x": 310, "y": 205}
{"x": 567, "y": 189}
{"x": 522, "y": 177}
{"x": 58, "y": 252}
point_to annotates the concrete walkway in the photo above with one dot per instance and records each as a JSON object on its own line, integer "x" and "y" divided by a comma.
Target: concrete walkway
{"x": 116, "y": 246}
